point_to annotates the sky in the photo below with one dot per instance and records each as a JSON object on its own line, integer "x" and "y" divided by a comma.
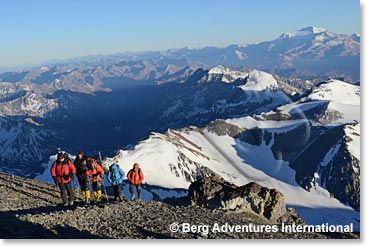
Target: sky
{"x": 35, "y": 31}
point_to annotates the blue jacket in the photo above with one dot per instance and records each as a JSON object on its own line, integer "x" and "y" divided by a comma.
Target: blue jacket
{"x": 115, "y": 175}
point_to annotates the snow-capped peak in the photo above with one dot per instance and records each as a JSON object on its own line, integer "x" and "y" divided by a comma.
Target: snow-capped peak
{"x": 259, "y": 81}
{"x": 312, "y": 29}
{"x": 303, "y": 32}
{"x": 226, "y": 75}
{"x": 220, "y": 69}
{"x": 256, "y": 80}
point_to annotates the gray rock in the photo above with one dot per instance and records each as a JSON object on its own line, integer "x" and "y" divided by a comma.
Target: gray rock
{"x": 264, "y": 201}
{"x": 214, "y": 192}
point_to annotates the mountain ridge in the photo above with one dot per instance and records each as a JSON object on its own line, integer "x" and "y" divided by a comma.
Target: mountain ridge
{"x": 308, "y": 50}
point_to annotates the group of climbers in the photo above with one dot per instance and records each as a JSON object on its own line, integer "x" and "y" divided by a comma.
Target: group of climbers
{"x": 89, "y": 171}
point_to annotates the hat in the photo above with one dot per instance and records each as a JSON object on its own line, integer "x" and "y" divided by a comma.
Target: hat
{"x": 60, "y": 155}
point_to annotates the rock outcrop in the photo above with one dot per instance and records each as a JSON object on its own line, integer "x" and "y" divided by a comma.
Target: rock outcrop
{"x": 262, "y": 200}
{"x": 214, "y": 192}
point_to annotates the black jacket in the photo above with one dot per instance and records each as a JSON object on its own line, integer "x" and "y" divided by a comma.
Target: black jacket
{"x": 81, "y": 165}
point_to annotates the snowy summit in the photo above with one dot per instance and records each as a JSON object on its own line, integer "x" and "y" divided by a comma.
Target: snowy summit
{"x": 303, "y": 32}
{"x": 259, "y": 81}
{"x": 226, "y": 75}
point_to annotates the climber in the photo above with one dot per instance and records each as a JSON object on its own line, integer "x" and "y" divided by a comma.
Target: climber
{"x": 115, "y": 176}
{"x": 83, "y": 173}
{"x": 63, "y": 171}
{"x": 135, "y": 177}
{"x": 96, "y": 178}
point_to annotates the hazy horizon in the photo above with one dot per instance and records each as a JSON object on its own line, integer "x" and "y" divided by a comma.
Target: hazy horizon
{"x": 38, "y": 31}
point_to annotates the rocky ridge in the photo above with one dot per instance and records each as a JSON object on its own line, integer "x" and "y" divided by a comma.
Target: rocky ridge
{"x": 31, "y": 210}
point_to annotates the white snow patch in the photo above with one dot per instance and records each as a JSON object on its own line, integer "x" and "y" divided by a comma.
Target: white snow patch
{"x": 330, "y": 155}
{"x": 242, "y": 56}
{"x": 303, "y": 32}
{"x": 249, "y": 122}
{"x": 298, "y": 107}
{"x": 337, "y": 91}
{"x": 227, "y": 75}
{"x": 154, "y": 156}
{"x": 354, "y": 146}
{"x": 259, "y": 80}
{"x": 350, "y": 113}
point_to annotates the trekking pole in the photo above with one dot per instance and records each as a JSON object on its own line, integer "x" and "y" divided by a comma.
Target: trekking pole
{"x": 104, "y": 187}
{"x": 100, "y": 157}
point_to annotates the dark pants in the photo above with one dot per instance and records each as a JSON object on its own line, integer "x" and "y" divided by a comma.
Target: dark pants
{"x": 117, "y": 191}
{"x": 97, "y": 185}
{"x": 138, "y": 189}
{"x": 83, "y": 182}
{"x": 66, "y": 191}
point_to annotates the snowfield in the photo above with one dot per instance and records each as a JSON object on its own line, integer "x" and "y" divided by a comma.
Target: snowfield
{"x": 337, "y": 91}
{"x": 342, "y": 102}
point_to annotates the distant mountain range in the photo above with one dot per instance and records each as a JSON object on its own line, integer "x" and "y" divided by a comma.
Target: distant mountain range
{"x": 307, "y": 53}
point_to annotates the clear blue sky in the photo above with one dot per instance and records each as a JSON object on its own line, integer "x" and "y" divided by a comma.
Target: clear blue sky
{"x": 32, "y": 31}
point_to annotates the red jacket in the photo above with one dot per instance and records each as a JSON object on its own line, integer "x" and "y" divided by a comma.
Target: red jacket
{"x": 62, "y": 171}
{"x": 135, "y": 177}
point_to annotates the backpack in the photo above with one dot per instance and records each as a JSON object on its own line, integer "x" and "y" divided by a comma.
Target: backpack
{"x": 81, "y": 165}
{"x": 116, "y": 175}
{"x": 67, "y": 157}
{"x": 91, "y": 163}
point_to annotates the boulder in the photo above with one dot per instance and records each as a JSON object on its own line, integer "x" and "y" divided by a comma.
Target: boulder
{"x": 214, "y": 192}
{"x": 264, "y": 201}
{"x": 209, "y": 191}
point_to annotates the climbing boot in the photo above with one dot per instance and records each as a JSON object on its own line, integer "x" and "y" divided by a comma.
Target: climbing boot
{"x": 97, "y": 195}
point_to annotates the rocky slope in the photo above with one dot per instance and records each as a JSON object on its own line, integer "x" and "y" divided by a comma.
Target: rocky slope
{"x": 30, "y": 209}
